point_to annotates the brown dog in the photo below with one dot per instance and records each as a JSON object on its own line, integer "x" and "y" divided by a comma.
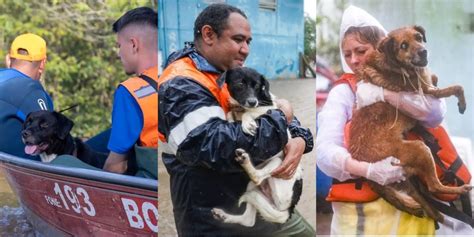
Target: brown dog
{"x": 399, "y": 64}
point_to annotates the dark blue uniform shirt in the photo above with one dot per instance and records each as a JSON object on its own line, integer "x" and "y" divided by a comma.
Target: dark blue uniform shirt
{"x": 19, "y": 95}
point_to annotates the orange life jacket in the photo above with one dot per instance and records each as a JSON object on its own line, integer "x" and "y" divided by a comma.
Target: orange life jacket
{"x": 185, "y": 67}
{"x": 449, "y": 167}
{"x": 147, "y": 98}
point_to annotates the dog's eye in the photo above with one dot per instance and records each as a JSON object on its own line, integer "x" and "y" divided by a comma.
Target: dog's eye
{"x": 263, "y": 88}
{"x": 418, "y": 37}
{"x": 404, "y": 45}
{"x": 44, "y": 125}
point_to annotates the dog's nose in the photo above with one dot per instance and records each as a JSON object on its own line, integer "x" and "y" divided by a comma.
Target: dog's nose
{"x": 252, "y": 102}
{"x": 423, "y": 53}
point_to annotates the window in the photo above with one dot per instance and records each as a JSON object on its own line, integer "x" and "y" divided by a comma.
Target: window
{"x": 268, "y": 4}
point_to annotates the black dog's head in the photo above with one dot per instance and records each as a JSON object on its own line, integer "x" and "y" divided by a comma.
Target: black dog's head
{"x": 45, "y": 131}
{"x": 406, "y": 46}
{"x": 248, "y": 87}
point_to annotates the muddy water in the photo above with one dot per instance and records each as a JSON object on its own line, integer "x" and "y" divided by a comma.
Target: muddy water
{"x": 300, "y": 93}
{"x": 13, "y": 221}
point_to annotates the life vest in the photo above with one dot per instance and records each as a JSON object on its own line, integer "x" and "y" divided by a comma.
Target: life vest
{"x": 147, "y": 98}
{"x": 449, "y": 167}
{"x": 185, "y": 67}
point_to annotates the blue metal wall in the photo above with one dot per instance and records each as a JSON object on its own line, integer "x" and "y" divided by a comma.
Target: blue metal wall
{"x": 278, "y": 36}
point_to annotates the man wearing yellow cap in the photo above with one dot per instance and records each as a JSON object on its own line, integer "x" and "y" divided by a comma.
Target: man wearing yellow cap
{"x": 21, "y": 91}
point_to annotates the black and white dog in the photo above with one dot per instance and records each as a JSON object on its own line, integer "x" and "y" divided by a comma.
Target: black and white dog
{"x": 47, "y": 134}
{"x": 274, "y": 198}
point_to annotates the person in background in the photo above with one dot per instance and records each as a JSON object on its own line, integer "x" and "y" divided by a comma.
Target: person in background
{"x": 199, "y": 143}
{"x": 21, "y": 91}
{"x": 135, "y": 109}
{"x": 356, "y": 210}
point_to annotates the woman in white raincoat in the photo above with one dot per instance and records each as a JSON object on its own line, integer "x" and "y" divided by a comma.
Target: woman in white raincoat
{"x": 355, "y": 211}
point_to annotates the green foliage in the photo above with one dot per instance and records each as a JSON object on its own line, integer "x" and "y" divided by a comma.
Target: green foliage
{"x": 310, "y": 38}
{"x": 83, "y": 67}
{"x": 328, "y": 23}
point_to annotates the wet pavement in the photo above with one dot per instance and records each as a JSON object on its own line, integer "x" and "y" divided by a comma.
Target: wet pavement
{"x": 301, "y": 94}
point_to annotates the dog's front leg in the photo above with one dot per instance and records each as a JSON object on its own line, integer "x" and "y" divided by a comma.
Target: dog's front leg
{"x": 256, "y": 175}
{"x": 249, "y": 126}
{"x": 246, "y": 219}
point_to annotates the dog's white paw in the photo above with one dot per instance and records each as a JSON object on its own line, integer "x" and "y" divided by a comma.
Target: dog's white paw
{"x": 249, "y": 127}
{"x": 219, "y": 214}
{"x": 241, "y": 156}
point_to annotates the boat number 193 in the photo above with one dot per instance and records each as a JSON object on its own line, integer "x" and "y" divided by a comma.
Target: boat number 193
{"x": 70, "y": 198}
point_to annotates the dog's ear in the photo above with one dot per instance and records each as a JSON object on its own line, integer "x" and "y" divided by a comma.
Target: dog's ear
{"x": 65, "y": 125}
{"x": 422, "y": 31}
{"x": 26, "y": 120}
{"x": 387, "y": 46}
{"x": 265, "y": 88}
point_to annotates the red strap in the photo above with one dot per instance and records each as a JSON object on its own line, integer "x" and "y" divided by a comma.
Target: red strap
{"x": 348, "y": 78}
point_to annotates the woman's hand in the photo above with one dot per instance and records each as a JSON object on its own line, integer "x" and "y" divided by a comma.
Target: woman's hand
{"x": 383, "y": 172}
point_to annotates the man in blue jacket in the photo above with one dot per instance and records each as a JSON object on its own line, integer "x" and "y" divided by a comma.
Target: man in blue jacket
{"x": 21, "y": 91}
{"x": 199, "y": 144}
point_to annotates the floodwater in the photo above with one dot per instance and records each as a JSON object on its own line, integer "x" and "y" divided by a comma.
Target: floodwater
{"x": 13, "y": 220}
{"x": 301, "y": 97}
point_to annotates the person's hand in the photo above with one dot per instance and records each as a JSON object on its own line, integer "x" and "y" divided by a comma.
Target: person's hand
{"x": 386, "y": 171}
{"x": 368, "y": 94}
{"x": 116, "y": 163}
{"x": 285, "y": 106}
{"x": 293, "y": 151}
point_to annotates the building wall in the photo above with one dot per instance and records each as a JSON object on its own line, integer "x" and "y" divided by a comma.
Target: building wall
{"x": 278, "y": 36}
{"x": 450, "y": 43}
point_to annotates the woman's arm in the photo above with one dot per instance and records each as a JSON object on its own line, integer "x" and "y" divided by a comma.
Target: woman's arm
{"x": 331, "y": 154}
{"x": 333, "y": 158}
{"x": 425, "y": 108}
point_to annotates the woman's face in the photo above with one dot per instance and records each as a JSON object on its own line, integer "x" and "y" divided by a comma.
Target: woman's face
{"x": 355, "y": 52}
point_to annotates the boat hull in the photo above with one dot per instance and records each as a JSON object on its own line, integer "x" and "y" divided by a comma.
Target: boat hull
{"x": 84, "y": 203}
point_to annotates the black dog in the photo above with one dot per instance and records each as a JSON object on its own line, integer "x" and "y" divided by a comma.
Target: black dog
{"x": 274, "y": 198}
{"x": 250, "y": 97}
{"x": 46, "y": 133}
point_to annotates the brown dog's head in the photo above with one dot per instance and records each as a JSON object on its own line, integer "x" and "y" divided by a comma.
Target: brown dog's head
{"x": 405, "y": 46}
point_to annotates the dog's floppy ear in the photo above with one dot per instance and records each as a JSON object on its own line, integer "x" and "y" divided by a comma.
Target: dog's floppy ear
{"x": 387, "y": 46}
{"x": 265, "y": 88}
{"x": 65, "y": 125}
{"x": 26, "y": 119}
{"x": 422, "y": 31}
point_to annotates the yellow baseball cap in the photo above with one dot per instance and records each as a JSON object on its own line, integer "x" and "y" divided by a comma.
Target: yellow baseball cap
{"x": 34, "y": 45}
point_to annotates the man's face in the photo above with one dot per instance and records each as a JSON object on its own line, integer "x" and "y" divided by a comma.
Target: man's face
{"x": 232, "y": 47}
{"x": 126, "y": 52}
